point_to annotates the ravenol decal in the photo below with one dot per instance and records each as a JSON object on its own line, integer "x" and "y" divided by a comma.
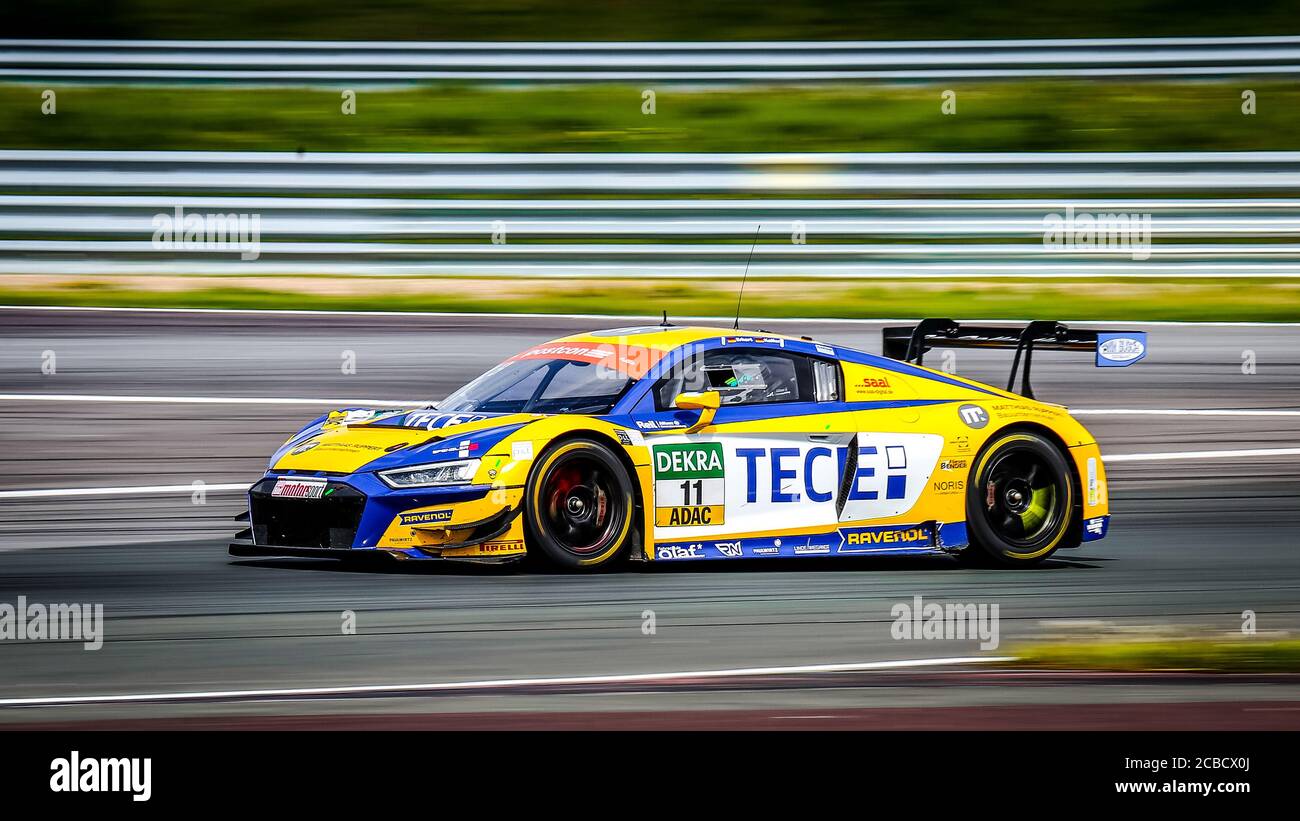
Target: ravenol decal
{"x": 1120, "y": 350}
{"x": 426, "y": 517}
{"x": 690, "y": 485}
{"x": 889, "y": 537}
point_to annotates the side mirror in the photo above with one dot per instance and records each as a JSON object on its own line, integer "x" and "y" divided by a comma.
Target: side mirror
{"x": 706, "y": 402}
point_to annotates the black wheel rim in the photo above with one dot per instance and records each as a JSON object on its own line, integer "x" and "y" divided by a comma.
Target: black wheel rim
{"x": 1022, "y": 497}
{"x": 582, "y": 506}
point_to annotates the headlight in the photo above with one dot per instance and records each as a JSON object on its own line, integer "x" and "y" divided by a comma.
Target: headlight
{"x": 445, "y": 473}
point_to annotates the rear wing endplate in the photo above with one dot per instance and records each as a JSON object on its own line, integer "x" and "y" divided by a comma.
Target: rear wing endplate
{"x": 1113, "y": 349}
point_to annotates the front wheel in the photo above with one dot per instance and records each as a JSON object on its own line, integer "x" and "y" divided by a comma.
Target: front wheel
{"x": 1019, "y": 500}
{"x": 579, "y": 505}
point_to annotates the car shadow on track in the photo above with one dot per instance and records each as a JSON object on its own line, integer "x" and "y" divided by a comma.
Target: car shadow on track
{"x": 880, "y": 564}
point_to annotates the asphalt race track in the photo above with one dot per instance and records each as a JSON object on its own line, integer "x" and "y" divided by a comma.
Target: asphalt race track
{"x": 1194, "y": 542}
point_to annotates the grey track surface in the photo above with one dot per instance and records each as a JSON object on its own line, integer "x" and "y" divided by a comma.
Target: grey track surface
{"x": 1193, "y": 542}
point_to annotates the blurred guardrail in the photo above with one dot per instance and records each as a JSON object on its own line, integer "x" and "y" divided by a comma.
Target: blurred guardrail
{"x": 822, "y": 215}
{"x": 299, "y": 62}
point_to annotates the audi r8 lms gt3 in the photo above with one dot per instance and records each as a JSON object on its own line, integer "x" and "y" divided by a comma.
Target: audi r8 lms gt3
{"x": 667, "y": 444}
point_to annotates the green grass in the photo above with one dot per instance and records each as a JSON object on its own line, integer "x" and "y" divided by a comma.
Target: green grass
{"x": 1029, "y": 116}
{"x": 1200, "y": 300}
{"x": 1242, "y": 655}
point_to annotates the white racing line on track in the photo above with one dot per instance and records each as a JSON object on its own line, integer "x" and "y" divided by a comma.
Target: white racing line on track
{"x": 631, "y": 317}
{"x": 147, "y": 490}
{"x": 139, "y": 490}
{"x": 1178, "y": 412}
{"x": 406, "y": 403}
{"x": 1200, "y": 454}
{"x": 205, "y": 400}
{"x": 491, "y": 684}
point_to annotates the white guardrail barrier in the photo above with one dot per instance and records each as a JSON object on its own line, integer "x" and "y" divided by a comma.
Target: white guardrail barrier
{"x": 588, "y": 215}
{"x": 300, "y": 62}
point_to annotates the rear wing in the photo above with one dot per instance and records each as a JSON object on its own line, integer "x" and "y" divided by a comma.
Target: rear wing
{"x": 1113, "y": 349}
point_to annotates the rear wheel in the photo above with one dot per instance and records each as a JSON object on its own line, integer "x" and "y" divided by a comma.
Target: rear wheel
{"x": 1019, "y": 500}
{"x": 579, "y": 505}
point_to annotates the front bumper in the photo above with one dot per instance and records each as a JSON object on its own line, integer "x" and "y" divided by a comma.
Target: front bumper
{"x": 359, "y": 516}
{"x": 244, "y": 548}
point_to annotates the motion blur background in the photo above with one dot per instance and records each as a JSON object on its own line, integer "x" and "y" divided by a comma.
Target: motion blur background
{"x": 509, "y": 144}
{"x": 503, "y": 158}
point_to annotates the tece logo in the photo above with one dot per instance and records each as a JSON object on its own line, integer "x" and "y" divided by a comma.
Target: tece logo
{"x": 77, "y": 774}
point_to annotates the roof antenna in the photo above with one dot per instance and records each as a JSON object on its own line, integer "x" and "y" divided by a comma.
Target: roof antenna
{"x": 741, "y": 295}
{"x": 665, "y": 323}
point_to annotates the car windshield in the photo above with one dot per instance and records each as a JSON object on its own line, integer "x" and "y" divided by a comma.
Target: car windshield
{"x": 541, "y": 386}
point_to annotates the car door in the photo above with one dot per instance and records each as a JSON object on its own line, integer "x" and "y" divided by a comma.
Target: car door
{"x": 767, "y": 469}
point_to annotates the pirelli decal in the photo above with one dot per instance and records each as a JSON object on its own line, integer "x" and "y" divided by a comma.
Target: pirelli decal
{"x": 690, "y": 485}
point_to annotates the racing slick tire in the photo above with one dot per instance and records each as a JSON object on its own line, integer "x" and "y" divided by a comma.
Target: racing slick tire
{"x": 579, "y": 506}
{"x": 1019, "y": 501}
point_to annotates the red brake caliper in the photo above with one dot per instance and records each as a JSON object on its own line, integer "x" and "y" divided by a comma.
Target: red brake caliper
{"x": 562, "y": 482}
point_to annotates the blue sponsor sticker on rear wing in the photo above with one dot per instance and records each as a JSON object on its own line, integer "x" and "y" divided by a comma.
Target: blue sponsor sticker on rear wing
{"x": 1119, "y": 350}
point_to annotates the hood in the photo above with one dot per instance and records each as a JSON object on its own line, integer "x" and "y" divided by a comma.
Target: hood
{"x": 346, "y": 441}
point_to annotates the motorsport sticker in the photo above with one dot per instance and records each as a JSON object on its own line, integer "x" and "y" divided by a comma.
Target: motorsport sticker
{"x": 425, "y": 517}
{"x": 885, "y": 538}
{"x": 689, "y": 484}
{"x": 299, "y": 488}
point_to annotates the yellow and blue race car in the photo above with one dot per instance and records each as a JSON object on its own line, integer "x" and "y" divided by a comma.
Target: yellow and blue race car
{"x": 666, "y": 444}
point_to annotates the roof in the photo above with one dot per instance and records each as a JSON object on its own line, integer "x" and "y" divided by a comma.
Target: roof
{"x": 665, "y": 337}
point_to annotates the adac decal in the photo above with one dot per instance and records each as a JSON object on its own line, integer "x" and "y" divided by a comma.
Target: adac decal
{"x": 690, "y": 484}
{"x": 885, "y": 538}
{"x": 425, "y": 517}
